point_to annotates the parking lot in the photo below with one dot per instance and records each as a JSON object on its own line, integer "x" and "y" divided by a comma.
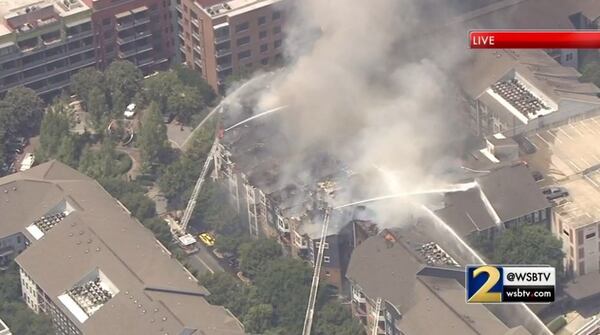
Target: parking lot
{"x": 567, "y": 150}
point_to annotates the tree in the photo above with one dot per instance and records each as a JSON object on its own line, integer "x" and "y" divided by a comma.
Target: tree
{"x": 161, "y": 87}
{"x": 258, "y": 318}
{"x": 529, "y": 244}
{"x": 178, "y": 179}
{"x": 591, "y": 73}
{"x": 55, "y": 127}
{"x": 21, "y": 111}
{"x": 256, "y": 255}
{"x": 185, "y": 103}
{"x": 97, "y": 107}
{"x": 333, "y": 318}
{"x": 124, "y": 81}
{"x": 285, "y": 284}
{"x": 152, "y": 140}
{"x": 86, "y": 80}
{"x": 231, "y": 243}
{"x": 193, "y": 79}
{"x": 102, "y": 163}
{"x": 160, "y": 229}
{"x": 67, "y": 151}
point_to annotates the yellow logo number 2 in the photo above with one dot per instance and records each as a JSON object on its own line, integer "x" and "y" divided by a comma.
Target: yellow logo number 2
{"x": 484, "y": 294}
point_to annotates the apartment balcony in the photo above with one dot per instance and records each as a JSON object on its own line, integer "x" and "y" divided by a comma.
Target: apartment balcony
{"x": 198, "y": 62}
{"x": 223, "y": 67}
{"x": 223, "y": 52}
{"x": 80, "y": 35}
{"x": 46, "y": 60}
{"x": 179, "y": 9}
{"x": 131, "y": 24}
{"x": 145, "y": 62}
{"x": 133, "y": 37}
{"x": 134, "y": 51}
{"x": 59, "y": 70}
{"x": 196, "y": 23}
{"x": 358, "y": 296}
{"x": 222, "y": 38}
{"x": 198, "y": 49}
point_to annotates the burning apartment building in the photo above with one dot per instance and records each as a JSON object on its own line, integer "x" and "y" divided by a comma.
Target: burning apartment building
{"x": 284, "y": 195}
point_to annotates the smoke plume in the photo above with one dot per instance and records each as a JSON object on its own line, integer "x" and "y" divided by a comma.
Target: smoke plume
{"x": 360, "y": 89}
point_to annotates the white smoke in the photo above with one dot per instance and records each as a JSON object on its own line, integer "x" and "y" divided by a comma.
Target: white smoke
{"x": 361, "y": 92}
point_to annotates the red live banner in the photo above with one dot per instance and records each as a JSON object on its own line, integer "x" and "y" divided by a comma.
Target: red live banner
{"x": 534, "y": 39}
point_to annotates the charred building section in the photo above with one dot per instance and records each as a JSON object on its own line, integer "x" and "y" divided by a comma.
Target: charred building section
{"x": 288, "y": 204}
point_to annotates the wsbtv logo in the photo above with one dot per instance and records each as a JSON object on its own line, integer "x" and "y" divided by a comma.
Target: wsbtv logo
{"x": 484, "y": 284}
{"x": 510, "y": 283}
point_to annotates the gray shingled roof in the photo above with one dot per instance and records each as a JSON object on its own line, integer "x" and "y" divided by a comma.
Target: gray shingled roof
{"x": 101, "y": 234}
{"x": 429, "y": 305}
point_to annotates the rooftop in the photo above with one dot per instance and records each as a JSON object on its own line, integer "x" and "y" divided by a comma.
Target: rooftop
{"x": 502, "y": 194}
{"x": 23, "y": 15}
{"x": 582, "y": 207}
{"x": 386, "y": 267}
{"x": 99, "y": 265}
{"x": 527, "y": 83}
{"x": 233, "y": 7}
{"x": 512, "y": 192}
{"x": 566, "y": 150}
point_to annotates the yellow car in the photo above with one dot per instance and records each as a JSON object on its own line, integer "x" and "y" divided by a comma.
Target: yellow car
{"x": 207, "y": 239}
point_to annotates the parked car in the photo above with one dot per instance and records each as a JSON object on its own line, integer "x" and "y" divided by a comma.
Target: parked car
{"x": 555, "y": 192}
{"x": 130, "y": 111}
{"x": 537, "y": 175}
{"x": 525, "y": 145}
{"x": 207, "y": 239}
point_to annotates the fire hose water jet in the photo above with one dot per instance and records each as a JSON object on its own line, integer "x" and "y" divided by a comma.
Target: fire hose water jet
{"x": 448, "y": 189}
{"x": 276, "y": 109}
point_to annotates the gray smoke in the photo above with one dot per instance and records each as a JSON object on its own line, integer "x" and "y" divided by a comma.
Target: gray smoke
{"x": 361, "y": 90}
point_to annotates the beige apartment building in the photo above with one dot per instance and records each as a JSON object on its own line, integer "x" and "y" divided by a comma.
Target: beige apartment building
{"x": 43, "y": 42}
{"x": 223, "y": 38}
{"x": 577, "y": 224}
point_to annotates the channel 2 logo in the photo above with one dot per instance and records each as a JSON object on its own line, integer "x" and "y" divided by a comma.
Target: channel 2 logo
{"x": 510, "y": 284}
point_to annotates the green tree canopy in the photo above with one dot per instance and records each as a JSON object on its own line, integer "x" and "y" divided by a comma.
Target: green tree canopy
{"x": 160, "y": 87}
{"x": 152, "y": 139}
{"x": 56, "y": 139}
{"x": 529, "y": 244}
{"x": 97, "y": 107}
{"x": 193, "y": 79}
{"x": 256, "y": 255}
{"x": 285, "y": 284}
{"x": 591, "y": 73}
{"x": 85, "y": 81}
{"x": 185, "y": 103}
{"x": 21, "y": 111}
{"x": 259, "y": 318}
{"x": 334, "y": 318}
{"x": 124, "y": 81}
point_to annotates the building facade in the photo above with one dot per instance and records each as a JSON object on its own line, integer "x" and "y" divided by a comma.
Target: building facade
{"x": 43, "y": 43}
{"x": 577, "y": 225}
{"x": 135, "y": 30}
{"x": 4, "y": 328}
{"x": 224, "y": 38}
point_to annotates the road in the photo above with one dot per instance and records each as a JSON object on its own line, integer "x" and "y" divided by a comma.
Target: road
{"x": 205, "y": 262}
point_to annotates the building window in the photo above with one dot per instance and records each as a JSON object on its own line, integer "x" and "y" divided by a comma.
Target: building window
{"x": 244, "y": 54}
{"x": 107, "y": 34}
{"x": 242, "y": 27}
{"x": 243, "y": 40}
{"x": 580, "y": 253}
{"x": 318, "y": 244}
{"x": 264, "y": 47}
{"x": 590, "y": 235}
{"x": 264, "y": 61}
{"x": 276, "y": 15}
{"x": 326, "y": 259}
{"x": 262, "y": 34}
{"x": 106, "y": 21}
{"x": 276, "y": 30}
{"x": 569, "y": 57}
{"x": 579, "y": 237}
{"x": 277, "y": 44}
{"x": 262, "y": 20}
